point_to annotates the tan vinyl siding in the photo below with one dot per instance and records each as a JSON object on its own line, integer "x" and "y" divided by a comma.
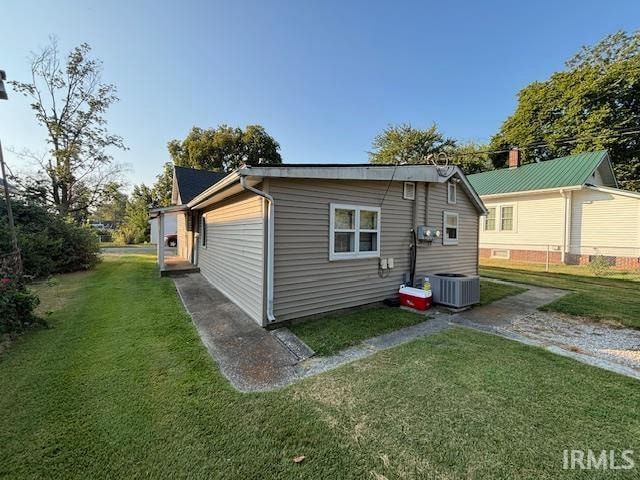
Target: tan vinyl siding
{"x": 306, "y": 282}
{"x": 538, "y": 222}
{"x": 182, "y": 235}
{"x": 232, "y": 259}
{"x": 605, "y": 223}
{"x": 460, "y": 258}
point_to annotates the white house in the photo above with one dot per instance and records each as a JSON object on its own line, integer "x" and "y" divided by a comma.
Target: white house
{"x": 566, "y": 210}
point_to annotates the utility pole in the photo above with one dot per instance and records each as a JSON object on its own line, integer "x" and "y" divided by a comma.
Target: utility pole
{"x": 12, "y": 227}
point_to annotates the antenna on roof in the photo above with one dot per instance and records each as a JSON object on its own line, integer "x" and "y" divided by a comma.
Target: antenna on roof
{"x": 441, "y": 161}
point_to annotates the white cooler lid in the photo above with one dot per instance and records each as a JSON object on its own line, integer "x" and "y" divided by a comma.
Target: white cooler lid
{"x": 415, "y": 292}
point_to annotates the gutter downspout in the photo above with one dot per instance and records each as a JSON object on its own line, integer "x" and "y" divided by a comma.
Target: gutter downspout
{"x": 270, "y": 240}
{"x": 566, "y": 234}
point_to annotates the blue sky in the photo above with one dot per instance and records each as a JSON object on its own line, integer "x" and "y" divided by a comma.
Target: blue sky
{"x": 323, "y": 77}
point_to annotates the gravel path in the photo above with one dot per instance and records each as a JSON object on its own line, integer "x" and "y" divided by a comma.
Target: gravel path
{"x": 617, "y": 344}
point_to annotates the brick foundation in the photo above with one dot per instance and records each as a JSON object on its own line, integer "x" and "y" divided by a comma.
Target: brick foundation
{"x": 539, "y": 256}
{"x": 536, "y": 256}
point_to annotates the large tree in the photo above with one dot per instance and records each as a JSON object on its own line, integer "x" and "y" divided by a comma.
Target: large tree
{"x": 593, "y": 104}
{"x": 225, "y": 148}
{"x": 404, "y": 144}
{"x": 135, "y": 227}
{"x": 70, "y": 102}
{"x": 161, "y": 190}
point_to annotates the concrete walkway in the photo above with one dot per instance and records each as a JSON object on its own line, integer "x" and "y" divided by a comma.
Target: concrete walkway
{"x": 254, "y": 359}
{"x": 248, "y": 355}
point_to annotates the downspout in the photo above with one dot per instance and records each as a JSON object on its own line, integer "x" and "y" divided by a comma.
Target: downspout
{"x": 566, "y": 234}
{"x": 270, "y": 240}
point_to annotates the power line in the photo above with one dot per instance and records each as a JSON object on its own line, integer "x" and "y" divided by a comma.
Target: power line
{"x": 561, "y": 141}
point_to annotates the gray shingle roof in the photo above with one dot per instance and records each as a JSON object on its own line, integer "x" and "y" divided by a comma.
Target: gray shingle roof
{"x": 192, "y": 182}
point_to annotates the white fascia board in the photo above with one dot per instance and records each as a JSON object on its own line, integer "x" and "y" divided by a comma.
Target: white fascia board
{"x": 153, "y": 212}
{"x": 213, "y": 189}
{"x": 414, "y": 173}
{"x": 614, "y": 191}
{"x": 531, "y": 192}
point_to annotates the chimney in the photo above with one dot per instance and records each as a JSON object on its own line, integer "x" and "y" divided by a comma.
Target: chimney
{"x": 514, "y": 157}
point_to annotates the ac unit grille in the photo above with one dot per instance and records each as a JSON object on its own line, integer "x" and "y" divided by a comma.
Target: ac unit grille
{"x": 455, "y": 291}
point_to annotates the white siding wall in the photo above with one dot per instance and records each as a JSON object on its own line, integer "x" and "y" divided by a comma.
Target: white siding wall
{"x": 539, "y": 221}
{"x": 605, "y": 223}
{"x": 232, "y": 259}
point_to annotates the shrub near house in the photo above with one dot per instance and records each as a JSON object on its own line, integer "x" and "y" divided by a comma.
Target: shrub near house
{"x": 17, "y": 304}
{"x": 49, "y": 244}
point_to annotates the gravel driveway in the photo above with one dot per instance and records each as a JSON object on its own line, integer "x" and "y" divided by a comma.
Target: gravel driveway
{"x": 617, "y": 344}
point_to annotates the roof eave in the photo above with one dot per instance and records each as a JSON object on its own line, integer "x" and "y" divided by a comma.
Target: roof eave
{"x": 530, "y": 192}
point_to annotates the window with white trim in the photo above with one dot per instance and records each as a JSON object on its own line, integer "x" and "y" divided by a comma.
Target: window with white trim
{"x": 354, "y": 232}
{"x": 490, "y": 219}
{"x": 452, "y": 192}
{"x": 409, "y": 191}
{"x": 450, "y": 230}
{"x": 506, "y": 217}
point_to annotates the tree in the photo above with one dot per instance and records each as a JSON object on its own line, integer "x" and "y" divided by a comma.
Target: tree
{"x": 70, "y": 101}
{"x": 593, "y": 104}
{"x": 471, "y": 157}
{"x": 135, "y": 228}
{"x": 113, "y": 204}
{"x": 161, "y": 190}
{"x": 225, "y": 148}
{"x": 405, "y": 144}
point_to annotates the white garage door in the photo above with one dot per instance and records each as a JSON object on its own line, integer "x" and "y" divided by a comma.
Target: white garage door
{"x": 232, "y": 257}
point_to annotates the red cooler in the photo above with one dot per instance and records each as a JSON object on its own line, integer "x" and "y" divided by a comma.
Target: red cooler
{"x": 415, "y": 298}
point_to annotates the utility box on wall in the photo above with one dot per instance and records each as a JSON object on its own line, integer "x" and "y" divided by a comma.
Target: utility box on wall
{"x": 427, "y": 234}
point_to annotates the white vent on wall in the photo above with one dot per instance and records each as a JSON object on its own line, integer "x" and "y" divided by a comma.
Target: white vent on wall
{"x": 500, "y": 253}
{"x": 409, "y": 191}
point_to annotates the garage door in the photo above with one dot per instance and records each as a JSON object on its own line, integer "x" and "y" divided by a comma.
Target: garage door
{"x": 232, "y": 255}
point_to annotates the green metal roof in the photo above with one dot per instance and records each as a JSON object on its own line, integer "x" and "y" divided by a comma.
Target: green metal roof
{"x": 559, "y": 172}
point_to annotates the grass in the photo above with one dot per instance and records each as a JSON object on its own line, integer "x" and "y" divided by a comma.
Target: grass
{"x": 598, "y": 298}
{"x": 493, "y": 291}
{"x": 578, "y": 270}
{"x": 330, "y": 334}
{"x": 121, "y": 387}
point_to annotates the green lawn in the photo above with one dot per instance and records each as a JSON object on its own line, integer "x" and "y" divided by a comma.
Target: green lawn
{"x": 492, "y": 291}
{"x": 330, "y": 334}
{"x": 121, "y": 387}
{"x": 598, "y": 298}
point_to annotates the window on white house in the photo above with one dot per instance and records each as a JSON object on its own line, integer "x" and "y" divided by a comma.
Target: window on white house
{"x": 409, "y": 191}
{"x": 452, "y": 192}
{"x": 506, "y": 218}
{"x": 450, "y": 236}
{"x": 203, "y": 230}
{"x": 490, "y": 220}
{"x": 354, "y": 232}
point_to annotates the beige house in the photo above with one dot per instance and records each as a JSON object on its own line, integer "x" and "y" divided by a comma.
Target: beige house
{"x": 566, "y": 210}
{"x": 289, "y": 241}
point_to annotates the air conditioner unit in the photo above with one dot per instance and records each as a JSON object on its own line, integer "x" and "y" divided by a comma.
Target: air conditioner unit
{"x": 454, "y": 289}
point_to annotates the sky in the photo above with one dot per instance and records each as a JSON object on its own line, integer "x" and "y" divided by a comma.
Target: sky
{"x": 322, "y": 77}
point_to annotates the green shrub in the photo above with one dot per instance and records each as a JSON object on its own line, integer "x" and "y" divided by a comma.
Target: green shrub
{"x": 17, "y": 304}
{"x": 49, "y": 244}
{"x": 599, "y": 266}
